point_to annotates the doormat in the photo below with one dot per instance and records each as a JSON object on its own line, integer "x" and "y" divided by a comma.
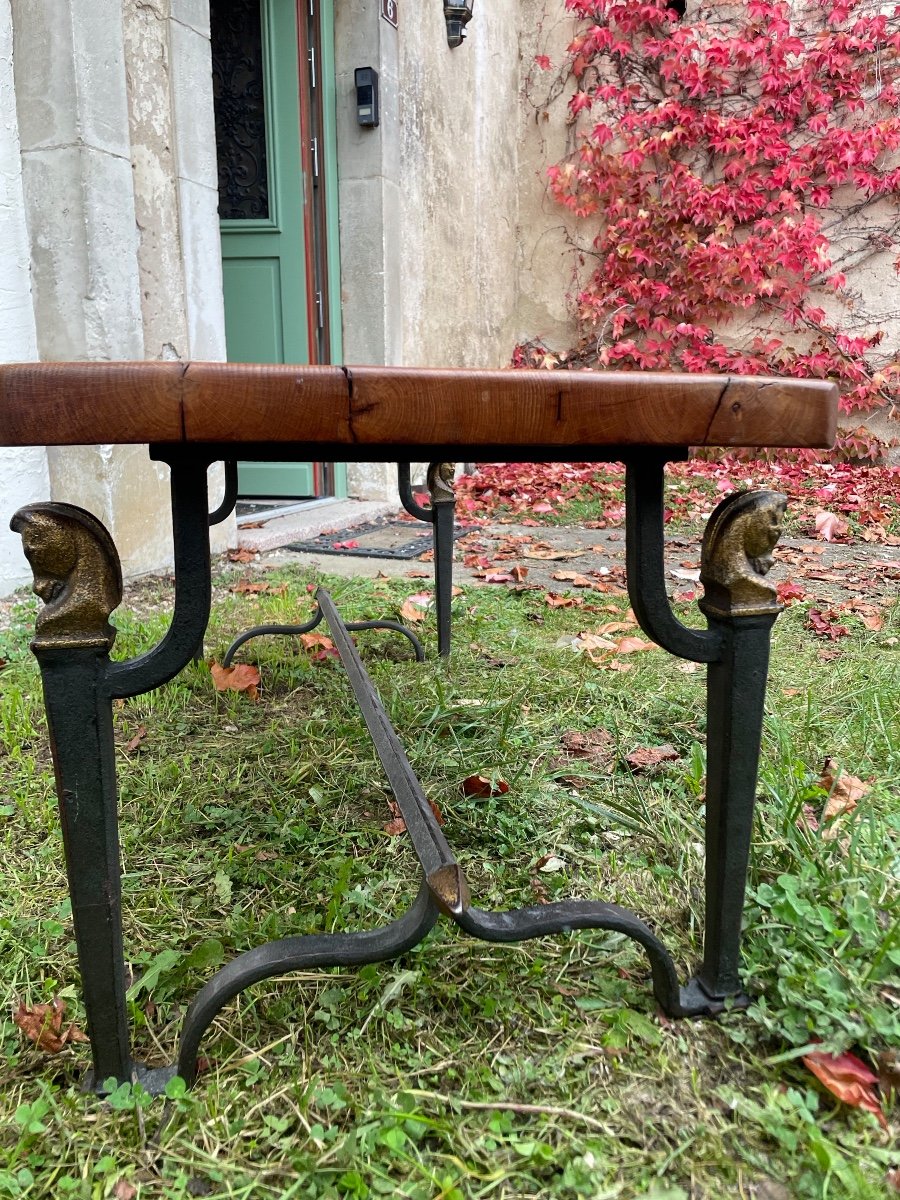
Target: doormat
{"x": 387, "y": 538}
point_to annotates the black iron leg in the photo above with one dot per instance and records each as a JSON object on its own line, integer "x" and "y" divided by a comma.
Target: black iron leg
{"x": 77, "y": 574}
{"x": 441, "y": 516}
{"x": 736, "y": 687}
{"x": 741, "y": 608}
{"x": 443, "y": 506}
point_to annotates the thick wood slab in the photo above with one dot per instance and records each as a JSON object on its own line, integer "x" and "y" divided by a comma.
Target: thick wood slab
{"x": 249, "y": 403}
{"x": 572, "y": 408}
{"x": 80, "y": 404}
{"x": 408, "y": 409}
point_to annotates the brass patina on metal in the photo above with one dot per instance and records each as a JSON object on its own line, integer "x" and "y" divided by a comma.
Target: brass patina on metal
{"x": 440, "y": 482}
{"x": 77, "y": 574}
{"x": 736, "y": 555}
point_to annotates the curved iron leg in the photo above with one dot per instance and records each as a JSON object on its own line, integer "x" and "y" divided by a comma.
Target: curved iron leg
{"x": 218, "y": 515}
{"x": 294, "y": 954}
{"x": 441, "y": 516}
{"x": 229, "y": 498}
{"x": 568, "y": 915}
{"x": 296, "y": 630}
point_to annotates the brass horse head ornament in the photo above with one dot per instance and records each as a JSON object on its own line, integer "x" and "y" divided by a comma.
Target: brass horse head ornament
{"x": 77, "y": 574}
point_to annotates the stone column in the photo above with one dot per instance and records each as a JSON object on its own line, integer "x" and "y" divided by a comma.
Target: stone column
{"x": 114, "y": 242}
{"x": 23, "y": 472}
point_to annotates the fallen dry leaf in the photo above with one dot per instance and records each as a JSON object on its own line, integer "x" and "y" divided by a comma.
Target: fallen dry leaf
{"x": 576, "y": 580}
{"x": 829, "y": 526}
{"x": 594, "y": 746}
{"x": 614, "y": 627}
{"x": 848, "y": 1078}
{"x": 124, "y": 1190}
{"x": 587, "y": 642}
{"x": 414, "y": 608}
{"x": 43, "y": 1025}
{"x": 633, "y": 645}
{"x": 136, "y": 740}
{"x": 554, "y": 600}
{"x": 397, "y": 825}
{"x": 418, "y": 574}
{"x": 241, "y": 556}
{"x": 647, "y": 757}
{"x": 547, "y": 553}
{"x": 519, "y": 573}
{"x": 242, "y": 677}
{"x": 844, "y": 793}
{"x": 314, "y": 641}
{"x": 480, "y": 787}
{"x": 823, "y": 625}
{"x": 249, "y": 586}
{"x": 788, "y": 592}
{"x": 495, "y": 576}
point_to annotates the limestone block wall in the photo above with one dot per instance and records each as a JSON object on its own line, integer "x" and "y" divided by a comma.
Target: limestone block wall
{"x": 23, "y": 473}
{"x": 107, "y": 152}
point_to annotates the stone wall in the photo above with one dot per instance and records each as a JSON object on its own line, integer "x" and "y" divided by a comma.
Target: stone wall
{"x": 23, "y": 473}
{"x": 109, "y": 151}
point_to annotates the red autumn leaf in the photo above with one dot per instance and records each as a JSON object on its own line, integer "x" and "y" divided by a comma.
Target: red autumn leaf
{"x": 351, "y": 545}
{"x": 495, "y": 577}
{"x": 542, "y": 507}
{"x": 480, "y": 787}
{"x": 43, "y": 1025}
{"x": 519, "y": 573}
{"x": 788, "y": 591}
{"x": 848, "y": 1078}
{"x": 647, "y": 757}
{"x": 242, "y": 677}
{"x": 822, "y": 625}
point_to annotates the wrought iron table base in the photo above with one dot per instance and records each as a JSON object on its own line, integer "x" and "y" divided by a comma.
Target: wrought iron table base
{"x": 77, "y": 574}
{"x": 440, "y": 515}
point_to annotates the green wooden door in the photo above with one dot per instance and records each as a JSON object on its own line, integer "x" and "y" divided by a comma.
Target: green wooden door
{"x": 264, "y": 205}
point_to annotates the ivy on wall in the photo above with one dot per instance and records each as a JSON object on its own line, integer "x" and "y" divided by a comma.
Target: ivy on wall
{"x": 735, "y": 167}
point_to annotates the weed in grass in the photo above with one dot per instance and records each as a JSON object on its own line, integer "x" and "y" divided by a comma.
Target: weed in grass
{"x": 464, "y": 1069}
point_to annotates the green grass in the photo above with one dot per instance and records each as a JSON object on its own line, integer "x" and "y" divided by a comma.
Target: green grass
{"x": 242, "y": 822}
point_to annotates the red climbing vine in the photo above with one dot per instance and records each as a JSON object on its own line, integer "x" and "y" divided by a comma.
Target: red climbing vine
{"x": 739, "y": 163}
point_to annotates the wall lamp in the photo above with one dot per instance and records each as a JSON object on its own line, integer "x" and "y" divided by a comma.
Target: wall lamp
{"x": 457, "y": 17}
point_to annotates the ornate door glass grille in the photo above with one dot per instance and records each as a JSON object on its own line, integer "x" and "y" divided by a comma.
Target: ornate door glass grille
{"x": 239, "y": 100}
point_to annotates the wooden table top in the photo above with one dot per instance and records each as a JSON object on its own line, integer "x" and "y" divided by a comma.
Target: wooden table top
{"x": 370, "y": 411}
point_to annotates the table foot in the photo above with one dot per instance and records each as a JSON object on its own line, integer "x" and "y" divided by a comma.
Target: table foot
{"x": 311, "y": 624}
{"x": 296, "y": 954}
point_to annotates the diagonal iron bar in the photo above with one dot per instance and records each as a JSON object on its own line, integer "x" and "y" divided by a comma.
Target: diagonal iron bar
{"x": 429, "y": 843}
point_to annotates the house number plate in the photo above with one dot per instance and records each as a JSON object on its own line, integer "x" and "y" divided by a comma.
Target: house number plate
{"x": 389, "y": 11}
